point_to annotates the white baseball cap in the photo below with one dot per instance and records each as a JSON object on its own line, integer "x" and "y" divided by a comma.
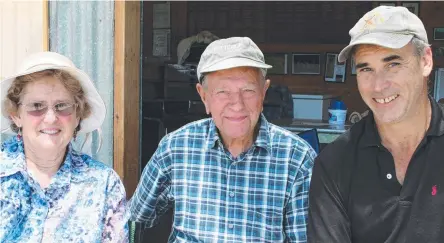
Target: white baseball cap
{"x": 387, "y": 26}
{"x": 230, "y": 53}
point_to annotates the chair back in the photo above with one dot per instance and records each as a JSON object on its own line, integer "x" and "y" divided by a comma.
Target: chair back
{"x": 311, "y": 136}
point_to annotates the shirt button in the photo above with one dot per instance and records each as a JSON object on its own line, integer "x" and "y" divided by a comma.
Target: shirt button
{"x": 230, "y": 226}
{"x": 231, "y": 194}
{"x": 389, "y": 176}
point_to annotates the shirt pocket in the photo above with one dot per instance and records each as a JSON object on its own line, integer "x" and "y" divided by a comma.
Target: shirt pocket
{"x": 266, "y": 224}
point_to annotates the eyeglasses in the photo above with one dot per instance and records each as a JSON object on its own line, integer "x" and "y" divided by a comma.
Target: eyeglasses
{"x": 40, "y": 108}
{"x": 228, "y": 95}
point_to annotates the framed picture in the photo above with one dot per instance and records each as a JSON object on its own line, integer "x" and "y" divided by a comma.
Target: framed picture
{"x": 334, "y": 70}
{"x": 412, "y": 7}
{"x": 438, "y": 51}
{"x": 393, "y": 4}
{"x": 278, "y": 61}
{"x": 161, "y": 15}
{"x": 161, "y": 42}
{"x": 438, "y": 33}
{"x": 306, "y": 64}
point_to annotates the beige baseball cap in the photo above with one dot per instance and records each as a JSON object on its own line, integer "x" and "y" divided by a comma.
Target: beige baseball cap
{"x": 230, "y": 53}
{"x": 387, "y": 26}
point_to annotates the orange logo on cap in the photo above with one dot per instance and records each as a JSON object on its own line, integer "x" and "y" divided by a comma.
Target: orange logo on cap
{"x": 371, "y": 21}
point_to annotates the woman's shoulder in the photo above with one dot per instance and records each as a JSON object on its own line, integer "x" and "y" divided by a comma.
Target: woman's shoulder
{"x": 11, "y": 146}
{"x": 86, "y": 169}
{"x": 12, "y": 157}
{"x": 92, "y": 163}
{"x": 88, "y": 166}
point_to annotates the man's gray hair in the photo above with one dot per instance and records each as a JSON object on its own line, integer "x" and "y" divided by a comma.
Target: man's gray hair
{"x": 263, "y": 72}
{"x": 420, "y": 46}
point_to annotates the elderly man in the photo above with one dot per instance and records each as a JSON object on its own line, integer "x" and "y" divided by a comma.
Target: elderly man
{"x": 234, "y": 177}
{"x": 383, "y": 181}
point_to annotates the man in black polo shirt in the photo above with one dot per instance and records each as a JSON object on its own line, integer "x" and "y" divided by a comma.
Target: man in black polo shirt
{"x": 383, "y": 180}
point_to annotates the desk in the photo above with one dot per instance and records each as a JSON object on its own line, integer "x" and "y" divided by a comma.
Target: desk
{"x": 327, "y": 133}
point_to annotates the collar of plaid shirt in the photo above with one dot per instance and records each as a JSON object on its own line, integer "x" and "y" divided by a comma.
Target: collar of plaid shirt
{"x": 262, "y": 139}
{"x": 260, "y": 196}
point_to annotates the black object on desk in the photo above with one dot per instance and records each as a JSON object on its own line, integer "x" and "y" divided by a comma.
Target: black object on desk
{"x": 311, "y": 136}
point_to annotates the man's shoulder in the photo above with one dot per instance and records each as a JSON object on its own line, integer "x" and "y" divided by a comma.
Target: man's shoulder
{"x": 199, "y": 128}
{"x": 441, "y": 107}
{"x": 280, "y": 135}
{"x": 284, "y": 140}
{"x": 196, "y": 131}
{"x": 345, "y": 145}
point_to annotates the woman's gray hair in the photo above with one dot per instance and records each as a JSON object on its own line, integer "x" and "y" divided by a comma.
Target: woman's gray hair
{"x": 263, "y": 72}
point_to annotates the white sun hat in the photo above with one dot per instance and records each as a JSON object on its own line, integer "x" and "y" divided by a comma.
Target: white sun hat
{"x": 50, "y": 60}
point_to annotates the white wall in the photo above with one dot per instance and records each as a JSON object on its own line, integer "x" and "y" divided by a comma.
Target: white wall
{"x": 84, "y": 32}
{"x": 21, "y": 33}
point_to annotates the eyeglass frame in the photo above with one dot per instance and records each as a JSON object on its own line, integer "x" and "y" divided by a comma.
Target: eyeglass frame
{"x": 45, "y": 110}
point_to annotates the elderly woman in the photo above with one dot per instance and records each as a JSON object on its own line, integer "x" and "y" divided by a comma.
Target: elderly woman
{"x": 49, "y": 192}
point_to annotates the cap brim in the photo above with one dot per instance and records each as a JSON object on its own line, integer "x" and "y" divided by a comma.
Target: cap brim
{"x": 234, "y": 62}
{"x": 89, "y": 124}
{"x": 388, "y": 40}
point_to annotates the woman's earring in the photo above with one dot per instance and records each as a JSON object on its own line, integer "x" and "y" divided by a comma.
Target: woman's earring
{"x": 19, "y": 133}
{"x": 75, "y": 135}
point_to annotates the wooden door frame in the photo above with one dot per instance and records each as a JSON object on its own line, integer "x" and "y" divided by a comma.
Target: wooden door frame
{"x": 45, "y": 17}
{"x": 127, "y": 92}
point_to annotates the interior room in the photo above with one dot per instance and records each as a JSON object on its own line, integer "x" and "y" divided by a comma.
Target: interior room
{"x": 300, "y": 39}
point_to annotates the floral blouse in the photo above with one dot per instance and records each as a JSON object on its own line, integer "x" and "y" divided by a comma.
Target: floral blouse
{"x": 85, "y": 201}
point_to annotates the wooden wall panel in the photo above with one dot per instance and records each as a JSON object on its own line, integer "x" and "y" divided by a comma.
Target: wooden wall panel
{"x": 432, "y": 14}
{"x": 310, "y": 27}
{"x": 278, "y": 22}
{"x": 315, "y": 84}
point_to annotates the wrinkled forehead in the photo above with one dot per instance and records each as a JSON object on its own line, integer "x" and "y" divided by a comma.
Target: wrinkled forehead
{"x": 239, "y": 74}
{"x": 367, "y": 50}
{"x": 46, "y": 89}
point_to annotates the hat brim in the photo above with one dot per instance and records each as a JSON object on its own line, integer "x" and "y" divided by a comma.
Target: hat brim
{"x": 233, "y": 63}
{"x": 98, "y": 108}
{"x": 388, "y": 40}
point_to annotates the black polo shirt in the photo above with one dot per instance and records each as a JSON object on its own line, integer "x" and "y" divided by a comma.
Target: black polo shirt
{"x": 355, "y": 196}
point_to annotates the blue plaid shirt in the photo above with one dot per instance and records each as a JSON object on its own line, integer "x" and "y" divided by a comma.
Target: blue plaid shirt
{"x": 260, "y": 196}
